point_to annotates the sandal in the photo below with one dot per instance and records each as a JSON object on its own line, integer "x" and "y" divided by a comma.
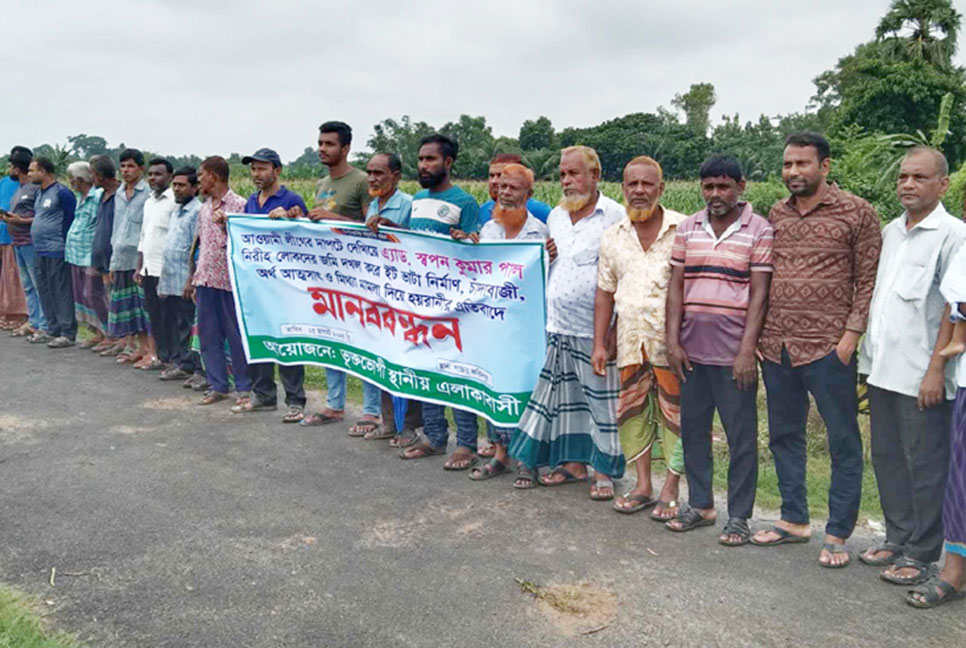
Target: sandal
{"x": 894, "y": 549}
{"x": 319, "y": 418}
{"x": 737, "y": 527}
{"x": 253, "y": 405}
{"x": 378, "y": 433}
{"x": 421, "y": 450}
{"x": 784, "y": 537}
{"x": 488, "y": 452}
{"x": 600, "y": 484}
{"x": 363, "y": 427}
{"x": 526, "y": 478}
{"x": 568, "y": 478}
{"x": 112, "y": 351}
{"x": 461, "y": 461}
{"x": 154, "y": 365}
{"x": 294, "y": 414}
{"x": 641, "y": 502}
{"x": 90, "y": 343}
{"x": 242, "y": 397}
{"x": 489, "y": 470}
{"x": 688, "y": 519}
{"x": 23, "y": 331}
{"x": 925, "y": 572}
{"x": 833, "y": 548}
{"x": 404, "y": 440}
{"x": 934, "y": 592}
{"x": 212, "y": 397}
{"x": 659, "y": 517}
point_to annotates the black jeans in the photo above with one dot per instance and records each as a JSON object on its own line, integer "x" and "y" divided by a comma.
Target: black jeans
{"x": 265, "y": 389}
{"x": 158, "y": 316}
{"x": 910, "y": 454}
{"x": 708, "y": 388}
{"x": 56, "y": 296}
{"x": 833, "y": 385}
{"x": 179, "y": 317}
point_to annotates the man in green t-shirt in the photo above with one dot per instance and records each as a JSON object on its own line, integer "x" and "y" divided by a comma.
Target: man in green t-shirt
{"x": 344, "y": 193}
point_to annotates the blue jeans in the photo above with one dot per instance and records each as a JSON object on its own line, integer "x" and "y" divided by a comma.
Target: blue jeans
{"x": 25, "y": 260}
{"x": 335, "y": 399}
{"x": 833, "y": 385}
{"x": 436, "y": 427}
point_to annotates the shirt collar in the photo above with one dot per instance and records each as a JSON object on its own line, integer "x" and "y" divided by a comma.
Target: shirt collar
{"x": 831, "y": 197}
{"x": 191, "y": 204}
{"x": 747, "y": 211}
{"x": 142, "y": 185}
{"x": 930, "y": 222}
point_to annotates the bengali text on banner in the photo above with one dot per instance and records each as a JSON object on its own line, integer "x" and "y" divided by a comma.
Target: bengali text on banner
{"x": 420, "y": 315}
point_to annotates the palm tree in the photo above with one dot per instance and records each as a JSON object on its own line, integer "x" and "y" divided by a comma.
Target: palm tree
{"x": 932, "y": 27}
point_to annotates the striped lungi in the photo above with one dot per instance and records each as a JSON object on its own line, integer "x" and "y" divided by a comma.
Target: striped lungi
{"x": 571, "y": 416}
{"x": 13, "y": 301}
{"x": 650, "y": 403}
{"x": 91, "y": 303}
{"x": 954, "y": 504}
{"x": 127, "y": 315}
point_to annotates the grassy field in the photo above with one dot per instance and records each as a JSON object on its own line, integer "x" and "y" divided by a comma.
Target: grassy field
{"x": 22, "y": 627}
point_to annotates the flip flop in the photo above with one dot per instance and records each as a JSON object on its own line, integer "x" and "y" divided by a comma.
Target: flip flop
{"x": 213, "y": 397}
{"x": 489, "y": 470}
{"x": 424, "y": 449}
{"x": 925, "y": 572}
{"x": 641, "y": 502}
{"x": 362, "y": 427}
{"x": 599, "y": 483}
{"x": 320, "y": 418}
{"x": 471, "y": 460}
{"x": 569, "y": 478}
{"x": 882, "y": 562}
{"x": 833, "y": 548}
{"x": 253, "y": 405}
{"x": 784, "y": 537}
{"x": 664, "y": 506}
{"x": 404, "y": 440}
{"x": 378, "y": 433}
{"x": 294, "y": 414}
{"x": 738, "y": 527}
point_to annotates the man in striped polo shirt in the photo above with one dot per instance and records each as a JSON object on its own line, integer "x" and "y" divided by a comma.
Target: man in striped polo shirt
{"x": 721, "y": 271}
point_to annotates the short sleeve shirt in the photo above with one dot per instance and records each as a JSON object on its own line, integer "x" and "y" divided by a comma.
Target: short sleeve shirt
{"x": 397, "y": 209}
{"x": 22, "y": 204}
{"x": 639, "y": 280}
{"x": 212, "y": 270}
{"x": 347, "y": 195}
{"x": 717, "y": 282}
{"x": 282, "y": 198}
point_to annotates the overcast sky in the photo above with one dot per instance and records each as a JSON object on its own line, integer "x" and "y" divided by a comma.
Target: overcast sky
{"x": 223, "y": 76}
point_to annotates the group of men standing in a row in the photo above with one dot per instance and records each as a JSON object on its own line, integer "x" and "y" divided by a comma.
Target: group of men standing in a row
{"x": 655, "y": 321}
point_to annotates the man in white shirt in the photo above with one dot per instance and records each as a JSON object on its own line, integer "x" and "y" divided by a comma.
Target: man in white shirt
{"x": 158, "y": 208}
{"x": 570, "y": 422}
{"x": 910, "y": 387}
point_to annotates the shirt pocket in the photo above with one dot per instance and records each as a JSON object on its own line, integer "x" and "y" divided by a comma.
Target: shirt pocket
{"x": 586, "y": 257}
{"x": 914, "y": 281}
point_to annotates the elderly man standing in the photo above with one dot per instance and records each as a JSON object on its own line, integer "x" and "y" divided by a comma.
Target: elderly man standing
{"x": 390, "y": 207}
{"x": 158, "y": 208}
{"x": 104, "y": 174}
{"x": 53, "y": 213}
{"x": 570, "y": 421}
{"x": 539, "y": 209}
{"x": 511, "y": 220}
{"x": 275, "y": 200}
{"x": 910, "y": 387}
{"x": 210, "y": 286}
{"x": 715, "y": 311}
{"x": 633, "y": 275}
{"x": 825, "y": 255}
{"x": 90, "y": 298}
{"x": 180, "y": 312}
{"x": 127, "y": 318}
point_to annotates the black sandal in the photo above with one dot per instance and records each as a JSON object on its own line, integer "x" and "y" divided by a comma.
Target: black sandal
{"x": 834, "y": 548}
{"x": 924, "y": 572}
{"x": 489, "y": 470}
{"x": 934, "y": 592}
{"x": 895, "y": 550}
{"x": 526, "y": 478}
{"x": 689, "y": 518}
{"x": 737, "y": 527}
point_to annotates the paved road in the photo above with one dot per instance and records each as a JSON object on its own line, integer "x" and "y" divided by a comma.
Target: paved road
{"x": 175, "y": 525}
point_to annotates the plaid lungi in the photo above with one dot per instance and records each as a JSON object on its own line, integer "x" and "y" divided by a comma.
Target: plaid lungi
{"x": 649, "y": 403}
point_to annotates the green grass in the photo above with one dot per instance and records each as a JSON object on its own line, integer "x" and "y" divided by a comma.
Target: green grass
{"x": 22, "y": 627}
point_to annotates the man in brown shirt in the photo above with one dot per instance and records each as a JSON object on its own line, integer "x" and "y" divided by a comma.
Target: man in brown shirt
{"x": 826, "y": 253}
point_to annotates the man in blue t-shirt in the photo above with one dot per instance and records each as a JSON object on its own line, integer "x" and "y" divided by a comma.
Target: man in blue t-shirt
{"x": 442, "y": 207}
{"x": 539, "y": 209}
{"x": 275, "y": 200}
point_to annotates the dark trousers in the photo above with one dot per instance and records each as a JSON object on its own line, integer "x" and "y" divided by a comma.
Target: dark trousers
{"x": 413, "y": 419}
{"x": 265, "y": 390}
{"x": 708, "y": 388}
{"x": 56, "y": 296}
{"x": 217, "y": 324}
{"x": 833, "y": 385}
{"x": 910, "y": 454}
{"x": 158, "y": 316}
{"x": 179, "y": 315}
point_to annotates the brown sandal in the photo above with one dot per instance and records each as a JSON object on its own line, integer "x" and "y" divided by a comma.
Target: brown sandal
{"x": 423, "y": 450}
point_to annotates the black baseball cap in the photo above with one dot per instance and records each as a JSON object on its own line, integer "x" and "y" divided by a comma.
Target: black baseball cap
{"x": 263, "y": 155}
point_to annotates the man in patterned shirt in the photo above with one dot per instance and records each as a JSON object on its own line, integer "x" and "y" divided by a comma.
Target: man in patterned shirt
{"x": 570, "y": 421}
{"x": 210, "y": 286}
{"x": 825, "y": 255}
{"x": 632, "y": 280}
